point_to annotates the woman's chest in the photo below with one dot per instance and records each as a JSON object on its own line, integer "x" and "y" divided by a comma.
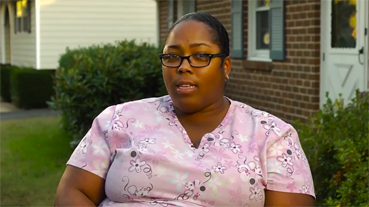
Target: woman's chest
{"x": 159, "y": 164}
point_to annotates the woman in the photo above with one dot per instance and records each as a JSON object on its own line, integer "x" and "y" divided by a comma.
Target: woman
{"x": 195, "y": 147}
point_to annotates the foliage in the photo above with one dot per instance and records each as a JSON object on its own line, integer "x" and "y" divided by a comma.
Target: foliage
{"x": 5, "y": 82}
{"x": 30, "y": 88}
{"x": 90, "y": 79}
{"x": 335, "y": 141}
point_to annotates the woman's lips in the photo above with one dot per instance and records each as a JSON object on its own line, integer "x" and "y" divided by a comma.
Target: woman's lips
{"x": 186, "y": 89}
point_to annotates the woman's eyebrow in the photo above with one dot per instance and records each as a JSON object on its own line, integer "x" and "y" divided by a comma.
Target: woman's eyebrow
{"x": 198, "y": 44}
{"x": 191, "y": 45}
{"x": 173, "y": 46}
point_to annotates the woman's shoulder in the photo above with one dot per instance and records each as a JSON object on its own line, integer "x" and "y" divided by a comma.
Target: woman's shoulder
{"x": 145, "y": 102}
{"x": 260, "y": 118}
{"x": 137, "y": 107}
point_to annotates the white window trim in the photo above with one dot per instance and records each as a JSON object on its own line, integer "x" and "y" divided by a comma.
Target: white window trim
{"x": 253, "y": 54}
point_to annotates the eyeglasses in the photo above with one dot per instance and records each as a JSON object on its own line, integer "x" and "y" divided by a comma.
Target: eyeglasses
{"x": 195, "y": 60}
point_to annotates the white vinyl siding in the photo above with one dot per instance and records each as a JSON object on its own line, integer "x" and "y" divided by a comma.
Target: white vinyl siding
{"x": 74, "y": 23}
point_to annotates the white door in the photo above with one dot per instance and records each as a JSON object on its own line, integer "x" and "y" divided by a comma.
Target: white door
{"x": 343, "y": 65}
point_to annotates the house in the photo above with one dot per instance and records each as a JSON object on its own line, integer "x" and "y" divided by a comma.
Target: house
{"x": 287, "y": 54}
{"x": 34, "y": 33}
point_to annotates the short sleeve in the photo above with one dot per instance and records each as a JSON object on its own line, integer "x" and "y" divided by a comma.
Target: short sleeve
{"x": 287, "y": 168}
{"x": 93, "y": 152}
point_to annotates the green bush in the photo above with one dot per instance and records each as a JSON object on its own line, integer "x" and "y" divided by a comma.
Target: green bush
{"x": 336, "y": 143}
{"x": 5, "y": 82}
{"x": 90, "y": 79}
{"x": 31, "y": 88}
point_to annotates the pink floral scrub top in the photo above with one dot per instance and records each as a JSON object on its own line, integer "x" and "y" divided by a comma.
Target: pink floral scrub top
{"x": 147, "y": 158}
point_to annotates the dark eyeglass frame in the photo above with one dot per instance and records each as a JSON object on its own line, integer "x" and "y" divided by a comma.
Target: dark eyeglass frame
{"x": 211, "y": 56}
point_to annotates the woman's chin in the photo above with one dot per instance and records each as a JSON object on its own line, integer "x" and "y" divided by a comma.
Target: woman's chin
{"x": 187, "y": 106}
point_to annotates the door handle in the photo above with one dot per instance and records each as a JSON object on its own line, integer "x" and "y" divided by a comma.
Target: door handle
{"x": 361, "y": 51}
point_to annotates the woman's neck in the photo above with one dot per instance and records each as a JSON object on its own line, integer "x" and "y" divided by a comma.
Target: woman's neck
{"x": 219, "y": 108}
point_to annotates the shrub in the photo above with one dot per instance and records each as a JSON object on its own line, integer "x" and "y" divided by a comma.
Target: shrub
{"x": 31, "y": 88}
{"x": 90, "y": 79}
{"x": 5, "y": 82}
{"x": 336, "y": 143}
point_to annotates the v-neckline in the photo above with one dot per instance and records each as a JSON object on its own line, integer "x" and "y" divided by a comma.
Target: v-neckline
{"x": 184, "y": 133}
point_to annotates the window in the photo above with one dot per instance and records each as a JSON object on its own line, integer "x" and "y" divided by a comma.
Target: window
{"x": 185, "y": 7}
{"x": 262, "y": 25}
{"x": 237, "y": 29}
{"x": 343, "y": 24}
{"x": 22, "y": 19}
{"x": 266, "y": 32}
{"x": 259, "y": 35}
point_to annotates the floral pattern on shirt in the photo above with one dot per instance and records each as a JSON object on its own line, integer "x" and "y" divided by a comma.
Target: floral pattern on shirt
{"x": 147, "y": 159}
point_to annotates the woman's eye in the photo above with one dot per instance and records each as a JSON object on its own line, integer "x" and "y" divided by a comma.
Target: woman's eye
{"x": 171, "y": 56}
{"x": 201, "y": 56}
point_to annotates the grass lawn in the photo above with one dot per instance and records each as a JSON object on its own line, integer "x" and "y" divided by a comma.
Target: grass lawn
{"x": 33, "y": 156}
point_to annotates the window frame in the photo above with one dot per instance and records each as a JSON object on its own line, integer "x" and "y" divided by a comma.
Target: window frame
{"x": 19, "y": 22}
{"x": 184, "y": 7}
{"x": 253, "y": 53}
{"x": 180, "y": 8}
{"x": 170, "y": 14}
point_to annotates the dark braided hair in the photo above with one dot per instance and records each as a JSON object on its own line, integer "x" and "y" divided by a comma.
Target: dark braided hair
{"x": 219, "y": 33}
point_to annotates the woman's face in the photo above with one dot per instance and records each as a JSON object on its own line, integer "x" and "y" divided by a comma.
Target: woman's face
{"x": 194, "y": 88}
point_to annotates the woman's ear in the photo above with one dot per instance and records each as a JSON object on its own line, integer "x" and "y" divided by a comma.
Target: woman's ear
{"x": 227, "y": 66}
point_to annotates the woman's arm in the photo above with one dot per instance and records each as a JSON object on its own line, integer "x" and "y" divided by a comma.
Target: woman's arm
{"x": 79, "y": 187}
{"x": 274, "y": 198}
{"x": 287, "y": 176}
{"x": 80, "y": 184}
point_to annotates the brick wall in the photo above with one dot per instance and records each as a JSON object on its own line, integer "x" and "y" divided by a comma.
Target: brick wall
{"x": 288, "y": 89}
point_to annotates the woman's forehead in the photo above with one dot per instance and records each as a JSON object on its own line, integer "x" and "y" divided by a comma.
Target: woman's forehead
{"x": 190, "y": 33}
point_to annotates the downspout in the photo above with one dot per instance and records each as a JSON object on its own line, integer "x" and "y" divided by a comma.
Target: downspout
{"x": 3, "y": 8}
{"x": 37, "y": 31}
{"x": 158, "y": 21}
